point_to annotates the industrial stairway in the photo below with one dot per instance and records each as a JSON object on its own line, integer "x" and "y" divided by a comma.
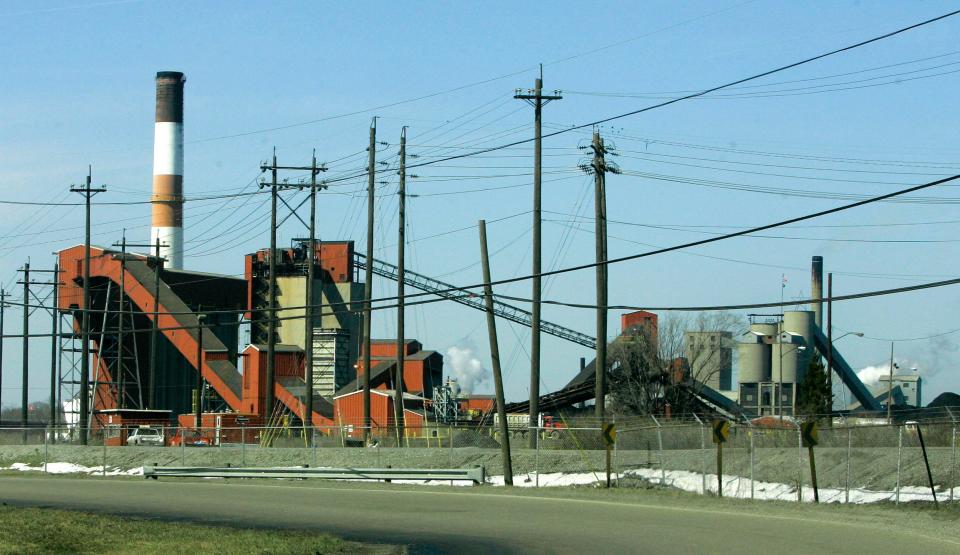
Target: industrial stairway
{"x": 179, "y": 325}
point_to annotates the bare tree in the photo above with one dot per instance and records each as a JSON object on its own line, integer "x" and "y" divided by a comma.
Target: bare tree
{"x": 645, "y": 363}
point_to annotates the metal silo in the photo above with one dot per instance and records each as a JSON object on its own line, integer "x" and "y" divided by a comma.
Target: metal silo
{"x": 800, "y": 324}
{"x": 754, "y": 362}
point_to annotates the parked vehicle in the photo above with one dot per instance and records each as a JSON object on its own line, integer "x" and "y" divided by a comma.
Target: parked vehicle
{"x": 146, "y": 436}
{"x": 190, "y": 438}
{"x": 518, "y": 425}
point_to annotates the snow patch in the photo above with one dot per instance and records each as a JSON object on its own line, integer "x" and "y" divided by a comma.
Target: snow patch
{"x": 71, "y": 468}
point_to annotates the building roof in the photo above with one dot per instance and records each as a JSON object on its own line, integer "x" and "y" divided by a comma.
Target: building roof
{"x": 278, "y": 348}
{"x": 901, "y": 378}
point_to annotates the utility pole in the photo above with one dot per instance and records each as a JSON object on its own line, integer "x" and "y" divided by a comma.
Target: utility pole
{"x": 308, "y": 321}
{"x": 536, "y": 99}
{"x": 121, "y": 390}
{"x": 495, "y": 359}
{"x": 3, "y": 306}
{"x": 272, "y": 295}
{"x": 401, "y": 340}
{"x": 273, "y": 312}
{"x": 54, "y": 340}
{"x": 830, "y": 341}
{"x": 26, "y": 349}
{"x": 890, "y": 389}
{"x": 88, "y": 192}
{"x": 155, "y": 325}
{"x": 368, "y": 279}
{"x": 201, "y": 318}
{"x": 599, "y": 168}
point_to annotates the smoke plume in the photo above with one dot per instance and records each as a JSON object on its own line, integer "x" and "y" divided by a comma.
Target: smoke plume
{"x": 466, "y": 368}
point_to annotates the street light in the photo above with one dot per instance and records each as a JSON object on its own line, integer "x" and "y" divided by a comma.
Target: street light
{"x": 830, "y": 365}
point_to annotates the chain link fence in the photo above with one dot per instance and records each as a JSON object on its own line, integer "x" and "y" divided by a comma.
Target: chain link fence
{"x": 856, "y": 461}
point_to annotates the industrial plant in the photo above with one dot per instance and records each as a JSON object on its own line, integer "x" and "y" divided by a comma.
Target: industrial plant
{"x": 167, "y": 348}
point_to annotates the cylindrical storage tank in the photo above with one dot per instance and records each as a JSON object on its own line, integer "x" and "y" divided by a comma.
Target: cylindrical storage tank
{"x": 801, "y": 322}
{"x": 754, "y": 362}
{"x": 785, "y": 360}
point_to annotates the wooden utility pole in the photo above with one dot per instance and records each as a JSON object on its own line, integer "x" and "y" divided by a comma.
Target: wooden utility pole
{"x": 199, "y": 408}
{"x": 83, "y": 423}
{"x": 26, "y": 349}
{"x": 119, "y": 377}
{"x": 495, "y": 359}
{"x": 155, "y": 326}
{"x": 272, "y": 295}
{"x": 54, "y": 340}
{"x": 3, "y": 306}
{"x": 309, "y": 315}
{"x": 273, "y": 311}
{"x": 538, "y": 100}
{"x": 368, "y": 278}
{"x": 890, "y": 388}
{"x": 830, "y": 341}
{"x": 401, "y": 340}
{"x": 600, "y": 169}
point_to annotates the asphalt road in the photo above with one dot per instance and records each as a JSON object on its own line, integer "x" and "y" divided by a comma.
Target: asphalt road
{"x": 444, "y": 521}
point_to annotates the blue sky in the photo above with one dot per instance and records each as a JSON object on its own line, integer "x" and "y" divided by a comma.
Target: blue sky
{"x": 78, "y": 89}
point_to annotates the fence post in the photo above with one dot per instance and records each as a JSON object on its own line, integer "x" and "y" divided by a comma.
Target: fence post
{"x": 703, "y": 457}
{"x": 899, "y": 458}
{"x": 536, "y": 460}
{"x": 846, "y": 486}
{"x": 953, "y": 461}
{"x": 799, "y": 464}
{"x": 616, "y": 459}
{"x": 103, "y": 440}
{"x": 243, "y": 445}
{"x": 663, "y": 471}
{"x": 183, "y": 449}
{"x": 450, "y": 441}
{"x": 752, "y": 451}
{"x": 46, "y": 432}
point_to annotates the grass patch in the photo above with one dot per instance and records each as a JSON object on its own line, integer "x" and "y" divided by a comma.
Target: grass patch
{"x": 30, "y": 530}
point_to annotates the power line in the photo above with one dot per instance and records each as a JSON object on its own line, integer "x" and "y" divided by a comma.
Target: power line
{"x": 637, "y": 256}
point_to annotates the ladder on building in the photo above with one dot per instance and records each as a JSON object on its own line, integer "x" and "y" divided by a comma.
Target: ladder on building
{"x": 471, "y": 299}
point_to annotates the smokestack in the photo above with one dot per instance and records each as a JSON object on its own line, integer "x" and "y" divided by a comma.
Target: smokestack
{"x": 167, "y": 223}
{"x": 816, "y": 290}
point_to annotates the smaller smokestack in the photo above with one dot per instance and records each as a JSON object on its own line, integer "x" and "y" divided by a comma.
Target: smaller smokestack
{"x": 816, "y": 290}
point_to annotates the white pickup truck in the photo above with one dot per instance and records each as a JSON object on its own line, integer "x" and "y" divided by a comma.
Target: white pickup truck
{"x": 146, "y": 436}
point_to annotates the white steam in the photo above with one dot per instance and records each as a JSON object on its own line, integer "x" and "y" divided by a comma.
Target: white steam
{"x": 870, "y": 376}
{"x": 466, "y": 368}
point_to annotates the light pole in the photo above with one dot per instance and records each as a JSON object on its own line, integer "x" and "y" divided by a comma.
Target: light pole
{"x": 779, "y": 392}
{"x": 830, "y": 363}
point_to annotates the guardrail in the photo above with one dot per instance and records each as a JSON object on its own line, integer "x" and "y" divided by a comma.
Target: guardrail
{"x": 477, "y": 475}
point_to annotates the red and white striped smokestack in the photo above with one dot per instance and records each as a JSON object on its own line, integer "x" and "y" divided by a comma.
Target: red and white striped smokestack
{"x": 167, "y": 223}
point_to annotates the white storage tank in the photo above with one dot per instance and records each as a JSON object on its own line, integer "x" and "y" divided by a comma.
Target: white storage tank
{"x": 754, "y": 362}
{"x": 800, "y": 323}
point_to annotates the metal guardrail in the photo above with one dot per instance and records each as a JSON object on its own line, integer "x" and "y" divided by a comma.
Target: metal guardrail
{"x": 477, "y": 475}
